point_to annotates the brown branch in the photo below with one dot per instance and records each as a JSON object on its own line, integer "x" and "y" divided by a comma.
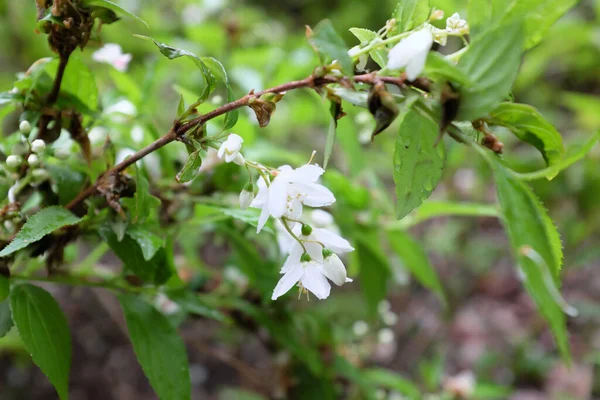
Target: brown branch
{"x": 179, "y": 130}
{"x": 53, "y": 96}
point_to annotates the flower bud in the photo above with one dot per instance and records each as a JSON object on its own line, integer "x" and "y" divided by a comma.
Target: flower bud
{"x": 335, "y": 270}
{"x": 436, "y": 15}
{"x": 33, "y": 160}
{"x": 246, "y": 197}
{"x": 14, "y": 161}
{"x": 40, "y": 175}
{"x": 25, "y": 127}
{"x": 38, "y": 146}
{"x": 306, "y": 229}
{"x": 62, "y": 154}
{"x": 305, "y": 257}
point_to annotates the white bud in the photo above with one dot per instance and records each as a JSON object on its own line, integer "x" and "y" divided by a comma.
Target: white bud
{"x": 62, "y": 154}
{"x": 386, "y": 336}
{"x": 360, "y": 328}
{"x": 38, "y": 146}
{"x": 14, "y": 161}
{"x": 246, "y": 198}
{"x": 436, "y": 15}
{"x": 33, "y": 160}
{"x": 25, "y": 127}
{"x": 40, "y": 175}
{"x": 390, "y": 318}
{"x": 461, "y": 385}
{"x": 9, "y": 226}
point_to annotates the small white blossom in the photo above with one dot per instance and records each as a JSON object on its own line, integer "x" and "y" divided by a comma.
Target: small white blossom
{"x": 288, "y": 191}
{"x": 122, "y": 106}
{"x": 231, "y": 149}
{"x": 14, "y": 161}
{"x": 360, "y": 328}
{"x": 38, "y": 146}
{"x": 386, "y": 336}
{"x": 436, "y": 15}
{"x": 166, "y": 305}
{"x": 40, "y": 175}
{"x": 309, "y": 274}
{"x": 246, "y": 198}
{"x": 111, "y": 53}
{"x": 461, "y": 385}
{"x": 335, "y": 270}
{"x": 33, "y": 160}
{"x": 25, "y": 127}
{"x": 411, "y": 53}
{"x": 455, "y": 24}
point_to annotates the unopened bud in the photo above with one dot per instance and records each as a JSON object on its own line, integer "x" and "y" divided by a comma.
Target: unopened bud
{"x": 33, "y": 160}
{"x": 436, "y": 15}
{"x": 326, "y": 252}
{"x": 246, "y": 197}
{"x": 13, "y": 161}
{"x": 306, "y": 229}
{"x": 39, "y": 175}
{"x": 25, "y": 127}
{"x": 38, "y": 146}
{"x": 305, "y": 257}
{"x": 62, "y": 154}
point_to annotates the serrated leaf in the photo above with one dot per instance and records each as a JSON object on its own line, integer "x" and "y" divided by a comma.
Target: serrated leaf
{"x": 374, "y": 269}
{"x": 115, "y": 7}
{"x": 538, "y": 17}
{"x": 418, "y": 164}
{"x": 410, "y": 14}
{"x": 155, "y": 270}
{"x": 45, "y": 333}
{"x": 416, "y": 261}
{"x": 180, "y": 106}
{"x": 149, "y": 242}
{"x": 530, "y": 126}
{"x": 4, "y": 288}
{"x": 438, "y": 67}
{"x": 529, "y": 226}
{"x": 393, "y": 381}
{"x": 6, "y": 322}
{"x": 159, "y": 349}
{"x": 78, "y": 82}
{"x": 328, "y": 43}
{"x": 491, "y": 63}
{"x": 190, "y": 168}
{"x": 366, "y": 36}
{"x": 39, "y": 225}
{"x": 172, "y": 53}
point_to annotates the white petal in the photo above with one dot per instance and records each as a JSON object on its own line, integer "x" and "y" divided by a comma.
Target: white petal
{"x": 278, "y": 197}
{"x": 239, "y": 159}
{"x": 334, "y": 269}
{"x": 321, "y": 218}
{"x": 307, "y": 173}
{"x": 314, "y": 280}
{"x": 314, "y": 194}
{"x": 414, "y": 45}
{"x": 262, "y": 196}
{"x": 332, "y": 241}
{"x": 262, "y": 219}
{"x": 416, "y": 65}
{"x": 296, "y": 252}
{"x": 288, "y": 281}
{"x": 221, "y": 150}
{"x": 315, "y": 251}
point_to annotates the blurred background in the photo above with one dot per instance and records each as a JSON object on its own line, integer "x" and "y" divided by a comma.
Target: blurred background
{"x": 489, "y": 330}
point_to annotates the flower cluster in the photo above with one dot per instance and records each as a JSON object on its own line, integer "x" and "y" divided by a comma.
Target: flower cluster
{"x": 312, "y": 252}
{"x": 411, "y": 52}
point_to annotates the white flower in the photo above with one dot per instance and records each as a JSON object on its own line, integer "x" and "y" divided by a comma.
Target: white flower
{"x": 14, "y": 161}
{"x": 456, "y": 25}
{"x": 231, "y": 149}
{"x": 360, "y": 328}
{"x": 335, "y": 270}
{"x": 246, "y": 197}
{"x": 112, "y": 54}
{"x": 288, "y": 191}
{"x": 122, "y": 106}
{"x": 318, "y": 236}
{"x": 309, "y": 274}
{"x": 316, "y": 218}
{"x": 411, "y": 53}
{"x": 25, "y": 127}
{"x": 38, "y": 146}
{"x": 461, "y": 385}
{"x": 33, "y": 160}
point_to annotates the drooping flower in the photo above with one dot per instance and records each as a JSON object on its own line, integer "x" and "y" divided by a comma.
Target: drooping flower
{"x": 316, "y": 218}
{"x": 231, "y": 149}
{"x": 288, "y": 191}
{"x": 411, "y": 53}
{"x": 309, "y": 274}
{"x": 456, "y": 24}
{"x": 246, "y": 197}
{"x": 111, "y": 53}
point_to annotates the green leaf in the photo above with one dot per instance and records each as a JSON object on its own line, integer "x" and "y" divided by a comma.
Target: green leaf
{"x": 180, "y": 106}
{"x": 232, "y": 116}
{"x": 68, "y": 182}
{"x": 491, "y": 63}
{"x": 45, "y": 333}
{"x": 415, "y": 260}
{"x": 530, "y": 126}
{"x": 354, "y": 97}
{"x": 335, "y": 110}
{"x": 116, "y": 8}
{"x": 6, "y": 322}
{"x": 366, "y": 36}
{"x": 538, "y": 16}
{"x": 149, "y": 242}
{"x": 327, "y": 42}
{"x": 417, "y": 163}
{"x": 172, "y": 53}
{"x": 159, "y": 349}
{"x": 484, "y": 14}
{"x": 375, "y": 270}
{"x": 79, "y": 82}
{"x": 144, "y": 202}
{"x": 393, "y": 381}
{"x": 438, "y": 67}
{"x": 410, "y": 13}
{"x": 574, "y": 154}
{"x": 39, "y": 225}
{"x": 128, "y": 250}
{"x": 190, "y": 168}
{"x": 529, "y": 227}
